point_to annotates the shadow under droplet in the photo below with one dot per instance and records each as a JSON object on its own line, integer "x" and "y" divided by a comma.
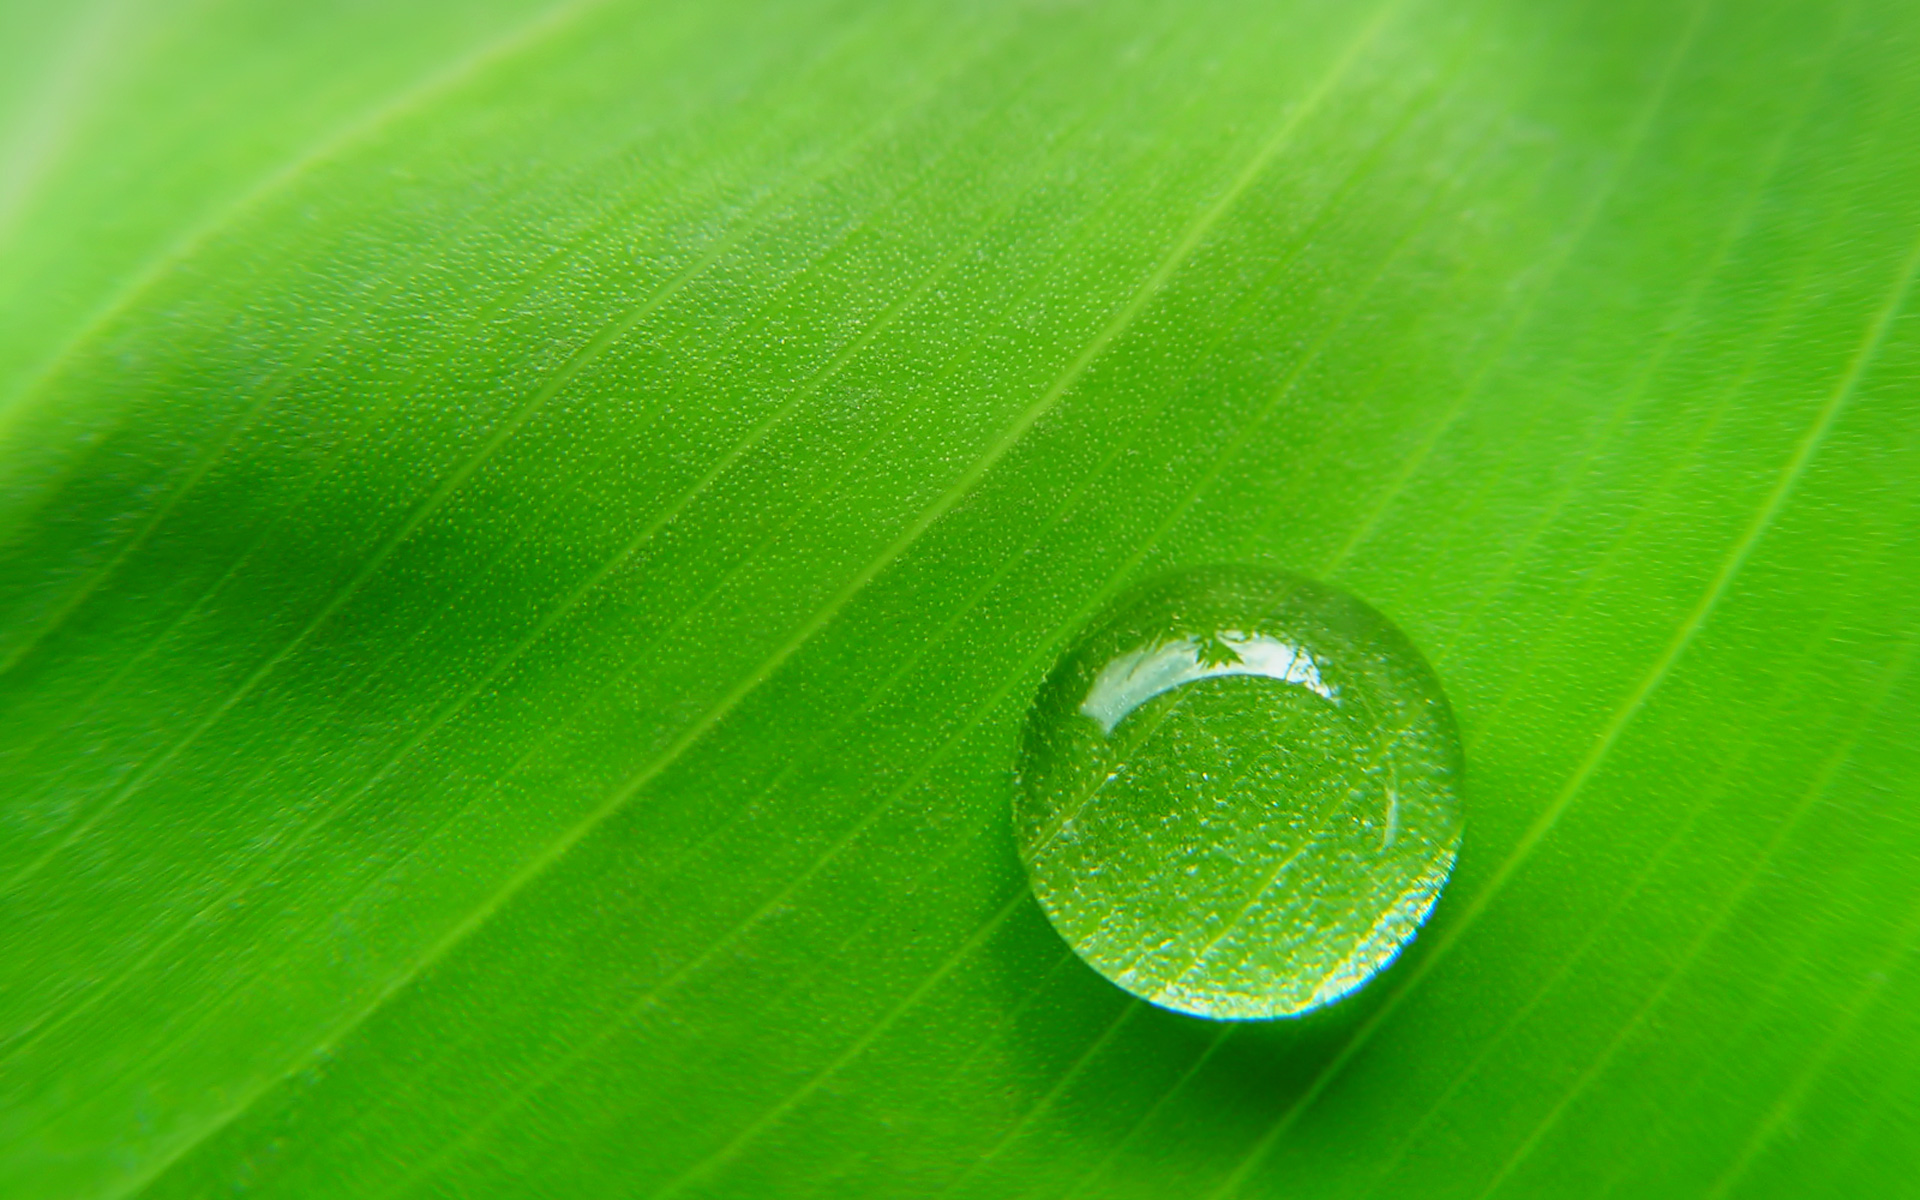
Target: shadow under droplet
{"x": 1113, "y": 1088}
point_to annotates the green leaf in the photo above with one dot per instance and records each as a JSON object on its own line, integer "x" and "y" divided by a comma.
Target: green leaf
{"x": 527, "y": 536}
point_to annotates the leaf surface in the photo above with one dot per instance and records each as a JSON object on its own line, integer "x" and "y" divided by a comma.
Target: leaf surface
{"x": 524, "y": 555}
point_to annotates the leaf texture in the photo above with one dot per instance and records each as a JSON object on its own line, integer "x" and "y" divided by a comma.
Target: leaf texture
{"x": 524, "y": 555}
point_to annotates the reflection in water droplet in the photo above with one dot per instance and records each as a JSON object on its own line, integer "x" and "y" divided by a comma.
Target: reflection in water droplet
{"x": 1237, "y": 793}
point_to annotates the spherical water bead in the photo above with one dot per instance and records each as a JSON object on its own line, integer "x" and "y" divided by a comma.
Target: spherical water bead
{"x": 1237, "y": 793}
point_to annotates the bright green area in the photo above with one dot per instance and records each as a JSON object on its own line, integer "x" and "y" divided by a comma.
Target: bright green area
{"x": 1237, "y": 794}
{"x": 526, "y": 538}
{"x": 131, "y": 128}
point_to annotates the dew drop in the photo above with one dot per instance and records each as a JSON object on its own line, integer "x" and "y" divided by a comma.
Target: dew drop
{"x": 1260, "y": 775}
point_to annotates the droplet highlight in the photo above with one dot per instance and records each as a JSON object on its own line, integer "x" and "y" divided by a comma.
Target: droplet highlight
{"x": 1237, "y": 793}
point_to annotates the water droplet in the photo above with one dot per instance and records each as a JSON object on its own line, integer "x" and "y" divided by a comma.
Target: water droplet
{"x": 1260, "y": 773}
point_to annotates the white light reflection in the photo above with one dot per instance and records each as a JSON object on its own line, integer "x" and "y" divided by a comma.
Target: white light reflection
{"x": 1137, "y": 676}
